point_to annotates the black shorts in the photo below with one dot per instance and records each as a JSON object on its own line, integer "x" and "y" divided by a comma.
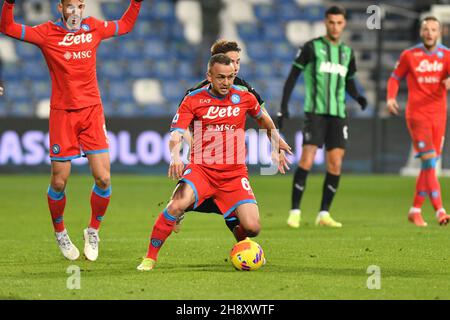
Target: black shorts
{"x": 324, "y": 129}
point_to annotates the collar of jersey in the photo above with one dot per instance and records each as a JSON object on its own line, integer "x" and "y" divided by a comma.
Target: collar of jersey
{"x": 429, "y": 53}
{"x": 61, "y": 24}
{"x": 330, "y": 43}
{"x": 214, "y": 96}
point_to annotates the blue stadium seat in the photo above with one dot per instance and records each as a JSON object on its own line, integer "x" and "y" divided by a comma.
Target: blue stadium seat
{"x": 23, "y": 107}
{"x": 27, "y": 51}
{"x": 114, "y": 10}
{"x": 274, "y": 31}
{"x": 140, "y": 69}
{"x": 130, "y": 50}
{"x": 40, "y": 89}
{"x": 110, "y": 70}
{"x": 265, "y": 13}
{"x": 164, "y": 70}
{"x": 283, "y": 50}
{"x": 16, "y": 90}
{"x": 314, "y": 12}
{"x": 120, "y": 90}
{"x": 259, "y": 51}
{"x": 154, "y": 49}
{"x": 107, "y": 50}
{"x": 289, "y": 11}
{"x": 12, "y": 71}
{"x": 249, "y": 31}
{"x": 173, "y": 90}
{"x": 36, "y": 70}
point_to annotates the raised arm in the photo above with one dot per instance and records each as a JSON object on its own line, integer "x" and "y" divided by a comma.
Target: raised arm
{"x": 9, "y": 27}
{"x": 123, "y": 26}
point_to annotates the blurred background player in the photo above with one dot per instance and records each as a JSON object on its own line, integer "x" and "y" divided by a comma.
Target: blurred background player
{"x": 329, "y": 67}
{"x": 426, "y": 68}
{"x": 77, "y": 122}
{"x": 233, "y": 51}
{"x": 216, "y": 171}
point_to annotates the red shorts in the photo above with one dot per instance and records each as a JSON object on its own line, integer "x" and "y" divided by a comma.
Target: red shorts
{"x": 227, "y": 193}
{"x": 75, "y": 131}
{"x": 427, "y": 132}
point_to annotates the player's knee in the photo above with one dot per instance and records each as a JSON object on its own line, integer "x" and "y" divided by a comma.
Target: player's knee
{"x": 58, "y": 184}
{"x": 334, "y": 167}
{"x": 253, "y": 229}
{"x": 176, "y": 208}
{"x": 103, "y": 181}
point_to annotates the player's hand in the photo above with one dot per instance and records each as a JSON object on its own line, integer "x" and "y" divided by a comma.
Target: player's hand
{"x": 362, "y": 102}
{"x": 176, "y": 169}
{"x": 281, "y": 115}
{"x": 281, "y": 160}
{"x": 393, "y": 107}
{"x": 446, "y": 82}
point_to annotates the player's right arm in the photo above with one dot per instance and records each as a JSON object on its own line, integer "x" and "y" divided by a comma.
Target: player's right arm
{"x": 180, "y": 124}
{"x": 304, "y": 56}
{"x": 8, "y": 26}
{"x": 400, "y": 71}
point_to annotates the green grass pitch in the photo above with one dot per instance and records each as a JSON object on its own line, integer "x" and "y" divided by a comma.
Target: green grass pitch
{"x": 308, "y": 263}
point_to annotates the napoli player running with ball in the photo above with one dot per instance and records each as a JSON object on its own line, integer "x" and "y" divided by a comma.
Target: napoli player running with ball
{"x": 217, "y": 169}
{"x": 77, "y": 122}
{"x": 426, "y": 68}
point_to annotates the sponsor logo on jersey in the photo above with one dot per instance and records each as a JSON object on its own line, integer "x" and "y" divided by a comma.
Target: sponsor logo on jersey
{"x": 78, "y": 55}
{"x": 428, "y": 80}
{"x": 222, "y": 112}
{"x": 71, "y": 39}
{"x": 205, "y": 101}
{"x": 235, "y": 98}
{"x": 427, "y": 66}
{"x": 334, "y": 68}
{"x": 221, "y": 127}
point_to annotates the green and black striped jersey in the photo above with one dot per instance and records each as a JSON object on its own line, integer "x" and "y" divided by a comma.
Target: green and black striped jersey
{"x": 326, "y": 67}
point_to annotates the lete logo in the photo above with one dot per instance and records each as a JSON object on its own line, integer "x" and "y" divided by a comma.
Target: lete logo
{"x": 426, "y": 66}
{"x": 71, "y": 39}
{"x": 222, "y": 112}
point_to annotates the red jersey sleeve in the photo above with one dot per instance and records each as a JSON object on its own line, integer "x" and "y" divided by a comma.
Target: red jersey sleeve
{"x": 183, "y": 117}
{"x": 400, "y": 71}
{"x": 8, "y": 26}
{"x": 255, "y": 109}
{"x": 120, "y": 27}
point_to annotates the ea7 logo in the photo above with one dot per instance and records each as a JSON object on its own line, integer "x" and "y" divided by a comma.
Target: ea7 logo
{"x": 71, "y": 39}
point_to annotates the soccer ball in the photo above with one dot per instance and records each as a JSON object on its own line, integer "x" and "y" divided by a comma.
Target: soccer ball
{"x": 247, "y": 255}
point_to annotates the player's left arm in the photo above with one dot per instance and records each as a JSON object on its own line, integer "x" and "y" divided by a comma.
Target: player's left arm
{"x": 122, "y": 26}
{"x": 350, "y": 84}
{"x": 279, "y": 145}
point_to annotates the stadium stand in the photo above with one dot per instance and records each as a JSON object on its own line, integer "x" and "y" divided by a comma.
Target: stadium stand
{"x": 147, "y": 72}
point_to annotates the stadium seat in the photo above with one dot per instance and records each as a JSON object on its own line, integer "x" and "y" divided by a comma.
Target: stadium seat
{"x": 148, "y": 91}
{"x": 40, "y": 89}
{"x": 298, "y": 32}
{"x": 7, "y": 50}
{"x": 43, "y": 109}
{"x": 239, "y": 11}
{"x": 188, "y": 12}
{"x": 249, "y": 31}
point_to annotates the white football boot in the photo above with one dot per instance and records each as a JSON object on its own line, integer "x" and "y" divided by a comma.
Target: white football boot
{"x": 66, "y": 246}
{"x": 91, "y": 240}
